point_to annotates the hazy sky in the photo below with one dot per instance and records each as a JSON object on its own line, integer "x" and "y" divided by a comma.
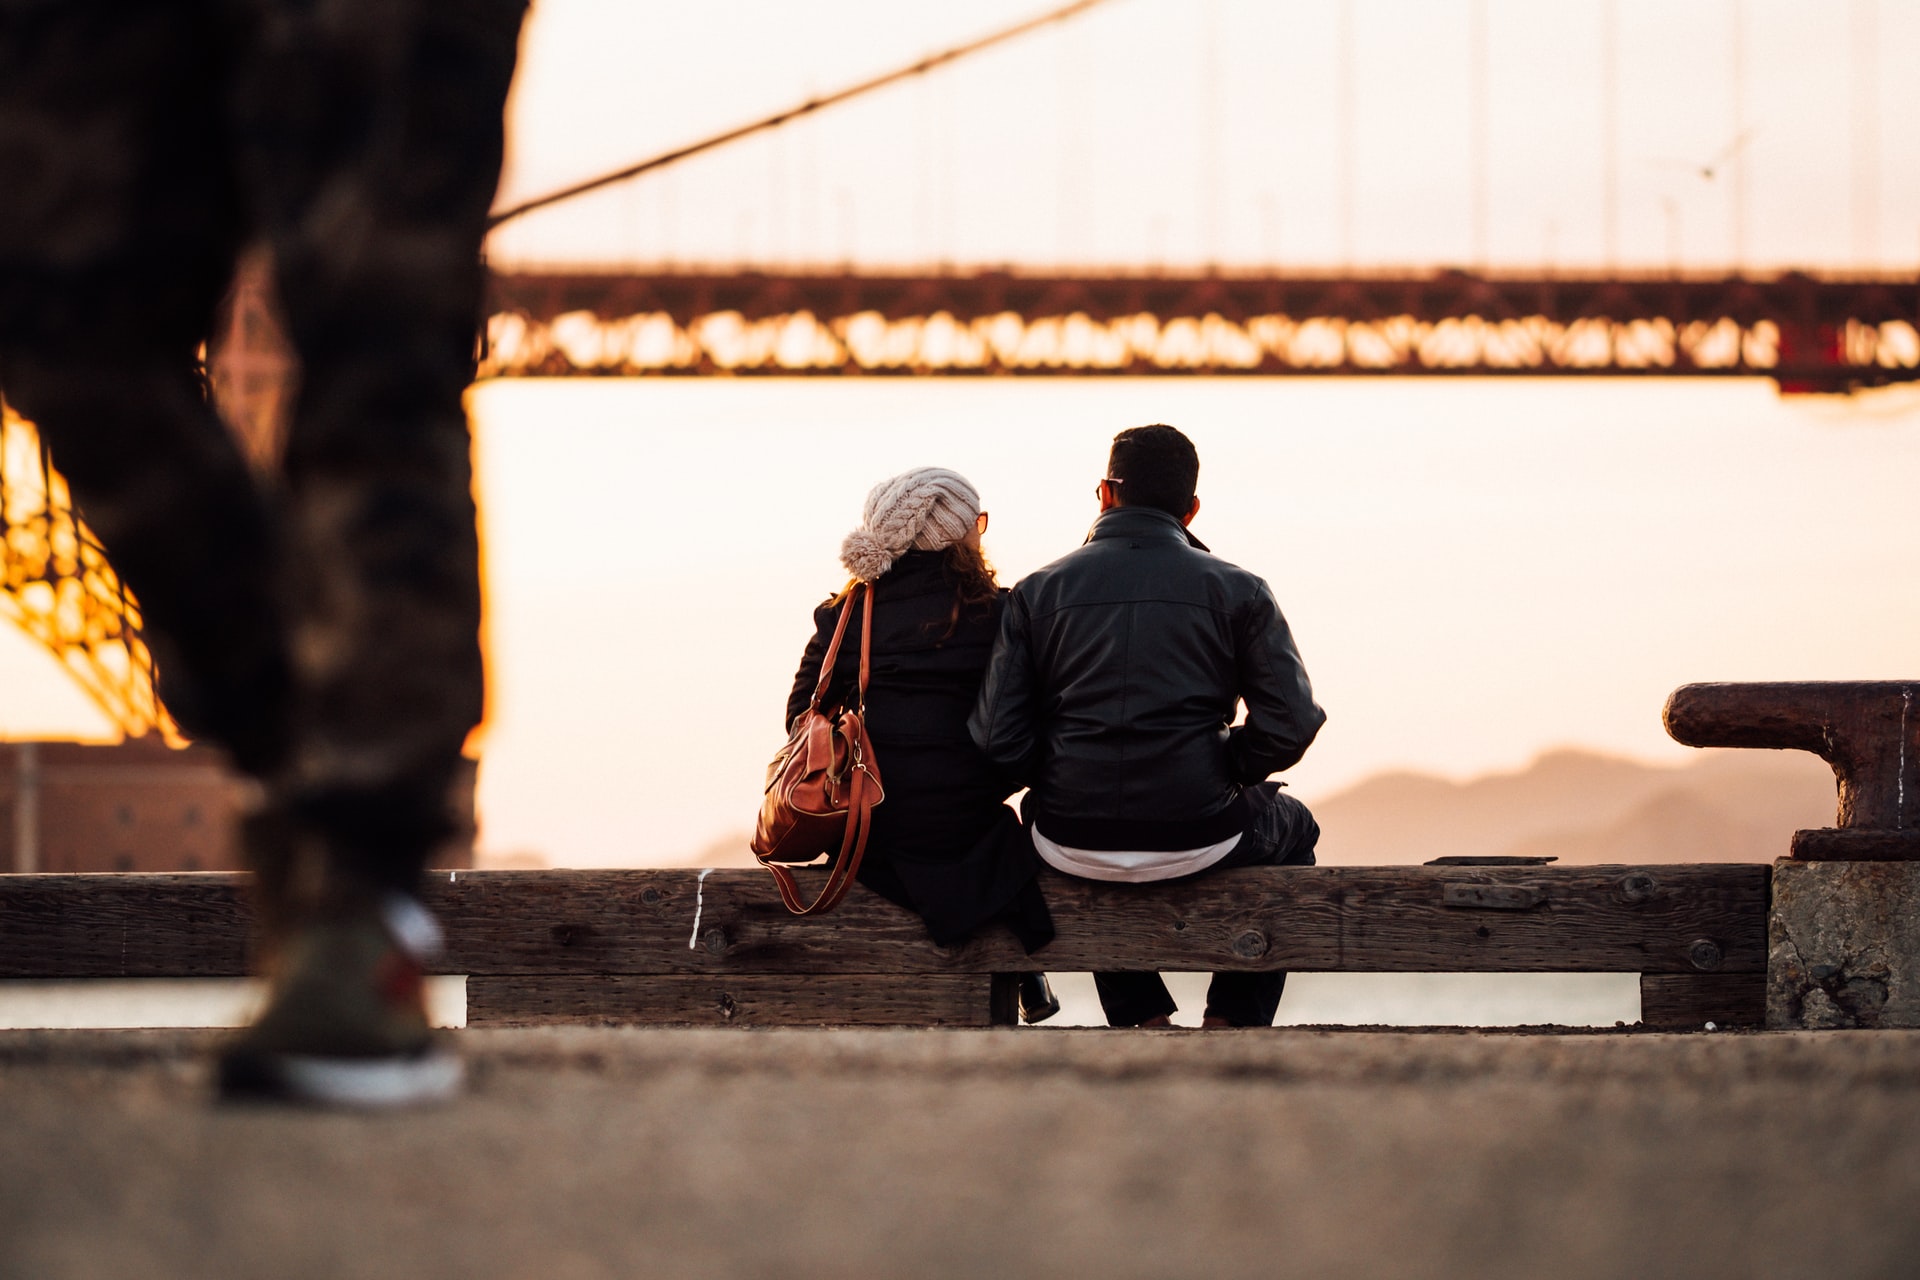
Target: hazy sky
{"x": 1475, "y": 570}
{"x": 1183, "y": 130}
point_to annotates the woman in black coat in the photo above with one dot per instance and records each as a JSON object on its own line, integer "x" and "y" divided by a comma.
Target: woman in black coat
{"x": 944, "y": 842}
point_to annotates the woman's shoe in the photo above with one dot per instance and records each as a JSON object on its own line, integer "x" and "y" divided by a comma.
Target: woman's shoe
{"x": 1037, "y": 1001}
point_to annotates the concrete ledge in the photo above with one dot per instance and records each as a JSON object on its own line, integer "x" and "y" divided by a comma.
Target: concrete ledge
{"x": 583, "y": 1154}
{"x": 1843, "y": 945}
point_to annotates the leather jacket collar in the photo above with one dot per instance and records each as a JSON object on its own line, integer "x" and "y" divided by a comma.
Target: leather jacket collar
{"x": 1141, "y": 522}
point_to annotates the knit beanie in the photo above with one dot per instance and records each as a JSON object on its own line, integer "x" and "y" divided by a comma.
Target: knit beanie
{"x": 926, "y": 509}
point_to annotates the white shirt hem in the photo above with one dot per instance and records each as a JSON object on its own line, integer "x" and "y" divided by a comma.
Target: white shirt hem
{"x": 1132, "y": 866}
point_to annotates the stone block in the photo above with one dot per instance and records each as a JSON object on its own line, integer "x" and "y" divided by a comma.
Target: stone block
{"x": 1843, "y": 945}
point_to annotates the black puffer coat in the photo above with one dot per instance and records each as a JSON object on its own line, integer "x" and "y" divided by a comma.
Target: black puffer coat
{"x": 944, "y": 842}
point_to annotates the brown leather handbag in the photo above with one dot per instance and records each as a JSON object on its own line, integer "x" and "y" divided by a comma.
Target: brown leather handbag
{"x": 823, "y": 785}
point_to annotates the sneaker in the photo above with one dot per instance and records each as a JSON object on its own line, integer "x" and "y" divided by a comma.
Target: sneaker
{"x": 1037, "y": 1001}
{"x": 346, "y": 1018}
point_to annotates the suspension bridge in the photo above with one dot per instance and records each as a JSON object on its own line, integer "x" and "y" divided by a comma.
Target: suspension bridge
{"x": 1807, "y": 333}
{"x": 1807, "y": 330}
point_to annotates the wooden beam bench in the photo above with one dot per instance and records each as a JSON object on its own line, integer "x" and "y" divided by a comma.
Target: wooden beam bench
{"x": 717, "y": 948}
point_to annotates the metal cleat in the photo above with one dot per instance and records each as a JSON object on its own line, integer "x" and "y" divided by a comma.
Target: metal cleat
{"x": 1869, "y": 731}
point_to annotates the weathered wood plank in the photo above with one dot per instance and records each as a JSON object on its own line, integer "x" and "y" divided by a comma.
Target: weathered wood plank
{"x": 1595, "y": 919}
{"x": 732, "y": 1000}
{"x": 186, "y": 925}
{"x": 1688, "y": 1001}
{"x": 1681, "y": 918}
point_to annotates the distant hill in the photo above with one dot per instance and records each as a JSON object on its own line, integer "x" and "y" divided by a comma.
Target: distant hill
{"x": 1582, "y": 807}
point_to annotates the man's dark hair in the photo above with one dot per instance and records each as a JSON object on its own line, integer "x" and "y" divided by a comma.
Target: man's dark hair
{"x": 1157, "y": 466}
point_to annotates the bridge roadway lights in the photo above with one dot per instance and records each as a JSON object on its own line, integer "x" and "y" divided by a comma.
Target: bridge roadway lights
{"x": 1843, "y": 930}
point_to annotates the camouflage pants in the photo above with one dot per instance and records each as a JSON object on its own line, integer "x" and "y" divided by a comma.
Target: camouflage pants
{"x": 321, "y": 623}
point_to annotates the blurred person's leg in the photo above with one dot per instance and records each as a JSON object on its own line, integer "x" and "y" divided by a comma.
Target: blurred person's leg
{"x": 115, "y": 248}
{"x": 370, "y": 137}
{"x": 117, "y": 238}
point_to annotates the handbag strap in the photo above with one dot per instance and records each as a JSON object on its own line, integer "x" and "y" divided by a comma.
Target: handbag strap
{"x": 866, "y": 651}
{"x": 853, "y": 846}
{"x": 833, "y": 648}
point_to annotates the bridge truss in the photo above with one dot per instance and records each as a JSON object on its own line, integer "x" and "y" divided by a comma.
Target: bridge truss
{"x": 55, "y": 581}
{"x": 56, "y": 585}
{"x": 1830, "y": 334}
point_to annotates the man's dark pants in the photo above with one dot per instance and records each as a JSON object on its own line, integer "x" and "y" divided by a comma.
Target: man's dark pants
{"x": 1282, "y": 833}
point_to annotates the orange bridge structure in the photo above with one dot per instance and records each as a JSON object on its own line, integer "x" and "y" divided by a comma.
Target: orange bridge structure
{"x": 1808, "y": 333}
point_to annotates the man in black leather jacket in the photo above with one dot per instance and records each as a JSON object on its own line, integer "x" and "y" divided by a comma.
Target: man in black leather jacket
{"x": 1112, "y": 693}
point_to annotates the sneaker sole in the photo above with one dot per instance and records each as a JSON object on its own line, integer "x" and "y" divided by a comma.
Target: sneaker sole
{"x": 360, "y": 1083}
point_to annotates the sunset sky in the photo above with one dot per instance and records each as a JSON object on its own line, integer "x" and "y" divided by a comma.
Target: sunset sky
{"x": 1475, "y": 571}
{"x": 1180, "y": 131}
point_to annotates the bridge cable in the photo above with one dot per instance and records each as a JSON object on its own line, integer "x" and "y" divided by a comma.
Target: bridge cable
{"x": 806, "y": 108}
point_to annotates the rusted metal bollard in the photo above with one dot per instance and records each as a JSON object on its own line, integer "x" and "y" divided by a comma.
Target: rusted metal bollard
{"x": 1869, "y": 731}
{"x": 1843, "y": 922}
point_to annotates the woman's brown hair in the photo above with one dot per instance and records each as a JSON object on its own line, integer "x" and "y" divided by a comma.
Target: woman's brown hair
{"x": 970, "y": 574}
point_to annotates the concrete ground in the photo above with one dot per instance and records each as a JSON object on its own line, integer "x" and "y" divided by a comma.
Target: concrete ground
{"x": 590, "y": 1153}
